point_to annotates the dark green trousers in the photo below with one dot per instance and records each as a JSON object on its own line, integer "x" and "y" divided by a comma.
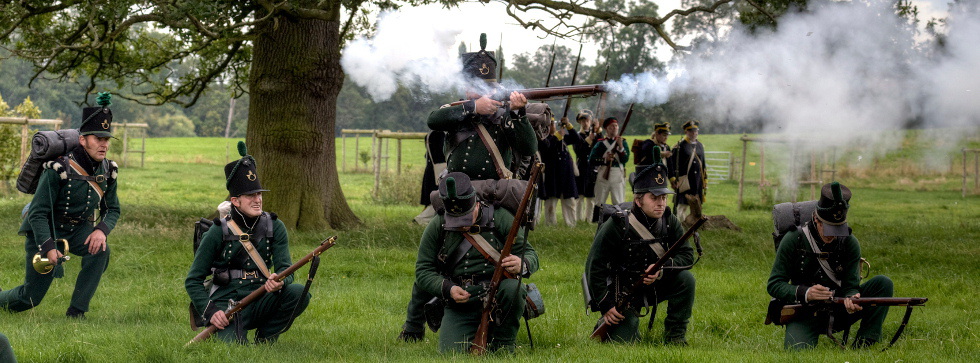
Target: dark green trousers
{"x": 460, "y": 322}
{"x": 6, "y": 352}
{"x": 803, "y": 333}
{"x": 415, "y": 316}
{"x": 678, "y": 291}
{"x": 268, "y": 316}
{"x": 30, "y": 294}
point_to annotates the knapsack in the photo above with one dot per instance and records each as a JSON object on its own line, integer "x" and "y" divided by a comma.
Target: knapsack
{"x": 788, "y": 216}
{"x": 45, "y": 146}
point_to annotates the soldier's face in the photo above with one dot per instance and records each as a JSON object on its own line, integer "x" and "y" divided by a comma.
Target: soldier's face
{"x": 825, "y": 239}
{"x": 652, "y": 205}
{"x": 612, "y": 129}
{"x": 95, "y": 146}
{"x": 249, "y": 204}
{"x": 661, "y": 137}
{"x": 692, "y": 134}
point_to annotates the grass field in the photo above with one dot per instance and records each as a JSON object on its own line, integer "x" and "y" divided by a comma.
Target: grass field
{"x": 911, "y": 220}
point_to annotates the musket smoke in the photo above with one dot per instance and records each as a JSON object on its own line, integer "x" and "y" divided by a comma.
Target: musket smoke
{"x": 407, "y": 50}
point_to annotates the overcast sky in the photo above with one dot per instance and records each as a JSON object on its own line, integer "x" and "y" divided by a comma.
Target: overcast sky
{"x": 492, "y": 19}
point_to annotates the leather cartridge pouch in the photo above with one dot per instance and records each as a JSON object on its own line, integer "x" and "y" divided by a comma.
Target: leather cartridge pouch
{"x": 221, "y": 277}
{"x": 534, "y": 306}
{"x": 433, "y": 311}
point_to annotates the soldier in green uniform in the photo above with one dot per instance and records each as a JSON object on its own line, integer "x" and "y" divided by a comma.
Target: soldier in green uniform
{"x": 75, "y": 200}
{"x": 245, "y": 251}
{"x": 821, "y": 260}
{"x": 454, "y": 264}
{"x": 6, "y": 351}
{"x": 627, "y": 244}
{"x": 483, "y": 138}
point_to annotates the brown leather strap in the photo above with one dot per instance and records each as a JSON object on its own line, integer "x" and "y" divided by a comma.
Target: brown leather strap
{"x": 81, "y": 171}
{"x": 498, "y": 160}
{"x": 483, "y": 247}
{"x": 247, "y": 244}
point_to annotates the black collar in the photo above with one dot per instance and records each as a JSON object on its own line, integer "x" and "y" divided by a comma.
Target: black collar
{"x": 243, "y": 221}
{"x": 81, "y": 157}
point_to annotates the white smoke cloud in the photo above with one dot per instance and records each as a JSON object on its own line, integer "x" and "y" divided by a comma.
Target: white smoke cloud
{"x": 844, "y": 73}
{"x": 414, "y": 47}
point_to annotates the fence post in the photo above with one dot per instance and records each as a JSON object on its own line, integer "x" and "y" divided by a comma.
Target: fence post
{"x": 399, "y": 156}
{"x": 741, "y": 176}
{"x": 23, "y": 141}
{"x": 125, "y": 151}
{"x": 377, "y": 163}
{"x": 343, "y": 152}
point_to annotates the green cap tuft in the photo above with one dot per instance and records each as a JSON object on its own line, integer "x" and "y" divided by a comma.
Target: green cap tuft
{"x": 451, "y": 187}
{"x": 242, "y": 150}
{"x": 656, "y": 154}
{"x": 104, "y": 99}
{"x": 838, "y": 195}
{"x": 483, "y": 41}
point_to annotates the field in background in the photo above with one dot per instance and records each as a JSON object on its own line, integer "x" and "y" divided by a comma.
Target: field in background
{"x": 920, "y": 233}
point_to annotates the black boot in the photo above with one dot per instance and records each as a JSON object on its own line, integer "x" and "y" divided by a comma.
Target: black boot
{"x": 410, "y": 336}
{"x": 75, "y": 313}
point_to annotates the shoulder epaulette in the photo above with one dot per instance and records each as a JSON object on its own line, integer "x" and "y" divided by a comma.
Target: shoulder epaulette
{"x": 273, "y": 215}
{"x": 58, "y": 165}
{"x": 113, "y": 169}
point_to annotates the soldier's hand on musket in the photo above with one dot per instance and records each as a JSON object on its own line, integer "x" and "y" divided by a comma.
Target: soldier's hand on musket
{"x": 517, "y": 100}
{"x": 851, "y": 306}
{"x": 54, "y": 255}
{"x": 565, "y": 122}
{"x": 271, "y": 285}
{"x": 485, "y": 106}
{"x": 459, "y": 295}
{"x": 612, "y": 316}
{"x": 818, "y": 292}
{"x": 219, "y": 320}
{"x": 511, "y": 264}
{"x": 95, "y": 242}
{"x": 607, "y": 157}
{"x": 649, "y": 279}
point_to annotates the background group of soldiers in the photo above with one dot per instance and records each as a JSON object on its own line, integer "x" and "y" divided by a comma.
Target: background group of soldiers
{"x": 482, "y": 143}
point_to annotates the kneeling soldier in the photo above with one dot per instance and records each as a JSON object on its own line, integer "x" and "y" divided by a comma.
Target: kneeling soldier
{"x": 626, "y": 245}
{"x": 821, "y": 260}
{"x": 75, "y": 201}
{"x": 237, "y": 250}
{"x": 454, "y": 263}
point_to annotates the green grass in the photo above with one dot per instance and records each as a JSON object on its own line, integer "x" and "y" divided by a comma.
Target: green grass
{"x": 926, "y": 241}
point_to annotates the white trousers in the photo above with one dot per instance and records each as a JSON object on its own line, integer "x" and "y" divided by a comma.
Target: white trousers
{"x": 567, "y": 211}
{"x": 612, "y": 187}
{"x": 584, "y": 209}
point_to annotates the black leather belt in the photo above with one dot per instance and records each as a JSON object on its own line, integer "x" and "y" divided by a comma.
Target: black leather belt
{"x": 245, "y": 275}
{"x": 63, "y": 219}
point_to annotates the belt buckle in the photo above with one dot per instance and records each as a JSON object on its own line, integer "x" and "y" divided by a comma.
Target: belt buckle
{"x": 99, "y": 178}
{"x": 253, "y": 274}
{"x": 466, "y": 282}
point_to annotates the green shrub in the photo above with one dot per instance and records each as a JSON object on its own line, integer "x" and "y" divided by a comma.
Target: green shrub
{"x": 400, "y": 189}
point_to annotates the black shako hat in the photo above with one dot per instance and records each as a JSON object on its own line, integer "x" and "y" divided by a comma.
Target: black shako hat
{"x": 459, "y": 197}
{"x": 240, "y": 175}
{"x": 97, "y": 120}
{"x": 692, "y": 124}
{"x": 652, "y": 179}
{"x": 832, "y": 209}
{"x": 481, "y": 64}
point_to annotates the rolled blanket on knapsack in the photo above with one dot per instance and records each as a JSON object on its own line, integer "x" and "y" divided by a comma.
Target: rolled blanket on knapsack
{"x": 47, "y": 145}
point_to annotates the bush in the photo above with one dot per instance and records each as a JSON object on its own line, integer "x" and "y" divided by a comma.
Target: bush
{"x": 400, "y": 189}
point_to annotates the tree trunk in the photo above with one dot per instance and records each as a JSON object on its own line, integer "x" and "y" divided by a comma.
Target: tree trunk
{"x": 294, "y": 82}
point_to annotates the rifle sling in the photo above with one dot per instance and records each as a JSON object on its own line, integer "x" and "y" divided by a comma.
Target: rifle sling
{"x": 901, "y": 328}
{"x": 91, "y": 180}
{"x": 491, "y": 146}
{"x": 247, "y": 244}
{"x": 646, "y": 235}
{"x": 823, "y": 261}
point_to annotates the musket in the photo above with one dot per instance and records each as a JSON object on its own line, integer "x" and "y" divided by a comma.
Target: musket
{"x": 500, "y": 74}
{"x": 790, "y": 312}
{"x": 479, "y": 345}
{"x": 547, "y": 93}
{"x": 554, "y": 52}
{"x": 625, "y": 300}
{"x": 568, "y": 100}
{"x": 255, "y": 295}
{"x": 602, "y": 99}
{"x": 618, "y": 141}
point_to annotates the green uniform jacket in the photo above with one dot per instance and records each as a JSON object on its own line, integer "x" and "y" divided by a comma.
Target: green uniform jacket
{"x": 214, "y": 252}
{"x": 796, "y": 268}
{"x": 606, "y": 257}
{"x": 599, "y": 149}
{"x": 429, "y": 269}
{"x": 67, "y": 199}
{"x": 465, "y": 151}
